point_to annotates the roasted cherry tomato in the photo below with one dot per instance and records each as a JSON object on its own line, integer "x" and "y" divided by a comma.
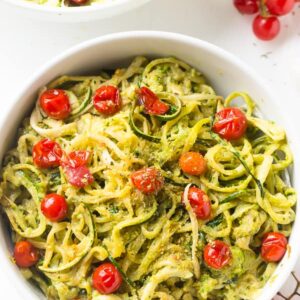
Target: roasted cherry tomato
{"x": 248, "y": 7}
{"x": 25, "y": 254}
{"x": 147, "y": 180}
{"x": 78, "y": 2}
{"x": 273, "y": 247}
{"x": 55, "y": 103}
{"x": 76, "y": 170}
{"x": 152, "y": 104}
{"x": 107, "y": 279}
{"x": 192, "y": 163}
{"x": 107, "y": 100}
{"x": 78, "y": 158}
{"x": 280, "y": 7}
{"x": 200, "y": 203}
{"x": 230, "y": 124}
{"x": 54, "y": 207}
{"x": 266, "y": 28}
{"x": 79, "y": 176}
{"x": 217, "y": 254}
{"x": 47, "y": 154}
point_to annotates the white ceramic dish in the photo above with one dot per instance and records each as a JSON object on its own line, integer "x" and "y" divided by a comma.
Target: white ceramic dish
{"x": 225, "y": 73}
{"x": 75, "y": 14}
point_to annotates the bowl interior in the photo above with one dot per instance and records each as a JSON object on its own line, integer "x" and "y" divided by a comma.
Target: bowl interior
{"x": 107, "y": 8}
{"x": 224, "y": 72}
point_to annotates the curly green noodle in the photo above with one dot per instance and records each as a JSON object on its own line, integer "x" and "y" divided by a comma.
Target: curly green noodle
{"x": 155, "y": 240}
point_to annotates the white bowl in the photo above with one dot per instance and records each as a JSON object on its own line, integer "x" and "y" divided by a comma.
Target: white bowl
{"x": 75, "y": 14}
{"x": 224, "y": 71}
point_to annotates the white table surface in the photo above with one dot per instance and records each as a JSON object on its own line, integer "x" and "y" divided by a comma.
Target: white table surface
{"x": 26, "y": 44}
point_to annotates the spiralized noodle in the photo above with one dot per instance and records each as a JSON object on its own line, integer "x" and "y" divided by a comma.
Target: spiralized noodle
{"x": 156, "y": 240}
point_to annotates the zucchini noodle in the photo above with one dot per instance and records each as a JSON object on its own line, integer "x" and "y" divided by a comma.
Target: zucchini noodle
{"x": 156, "y": 241}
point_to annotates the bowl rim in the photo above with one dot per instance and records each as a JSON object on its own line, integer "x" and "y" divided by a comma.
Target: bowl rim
{"x": 278, "y": 280}
{"x": 72, "y": 10}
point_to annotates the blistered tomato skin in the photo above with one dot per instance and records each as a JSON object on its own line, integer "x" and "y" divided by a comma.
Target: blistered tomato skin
{"x": 266, "y": 28}
{"x": 274, "y": 245}
{"x": 147, "y": 180}
{"x": 217, "y": 254}
{"x": 79, "y": 177}
{"x": 230, "y": 123}
{"x": 248, "y": 7}
{"x": 152, "y": 104}
{"x": 76, "y": 170}
{"x": 107, "y": 100}
{"x": 106, "y": 279}
{"x": 78, "y": 158}
{"x": 54, "y": 207}
{"x": 47, "y": 154}
{"x": 200, "y": 203}
{"x": 192, "y": 163}
{"x": 79, "y": 2}
{"x": 280, "y": 7}
{"x": 55, "y": 103}
{"x": 25, "y": 254}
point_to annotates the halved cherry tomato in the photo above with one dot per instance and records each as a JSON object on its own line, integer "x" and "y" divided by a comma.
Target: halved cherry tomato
{"x": 230, "y": 124}
{"x": 78, "y": 158}
{"x": 107, "y": 279}
{"x": 147, "y": 180}
{"x": 54, "y": 207}
{"x": 76, "y": 170}
{"x": 152, "y": 104}
{"x": 79, "y": 177}
{"x": 107, "y": 100}
{"x": 273, "y": 247}
{"x": 47, "y": 154}
{"x": 199, "y": 202}
{"x": 25, "y": 254}
{"x": 217, "y": 254}
{"x": 55, "y": 103}
{"x": 192, "y": 163}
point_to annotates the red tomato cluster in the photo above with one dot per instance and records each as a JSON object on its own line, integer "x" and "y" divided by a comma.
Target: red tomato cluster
{"x": 266, "y": 25}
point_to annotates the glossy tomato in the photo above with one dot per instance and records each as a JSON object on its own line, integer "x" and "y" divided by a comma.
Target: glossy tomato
{"x": 280, "y": 7}
{"x": 152, "y": 104}
{"x": 47, "y": 154}
{"x": 25, "y": 254}
{"x": 274, "y": 245}
{"x": 147, "y": 180}
{"x": 107, "y": 100}
{"x": 230, "y": 124}
{"x": 217, "y": 254}
{"x": 200, "y": 203}
{"x": 248, "y": 7}
{"x": 76, "y": 170}
{"x": 107, "y": 279}
{"x": 266, "y": 28}
{"x": 192, "y": 163}
{"x": 79, "y": 176}
{"x": 54, "y": 207}
{"x": 55, "y": 103}
{"x": 78, "y": 2}
{"x": 78, "y": 158}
